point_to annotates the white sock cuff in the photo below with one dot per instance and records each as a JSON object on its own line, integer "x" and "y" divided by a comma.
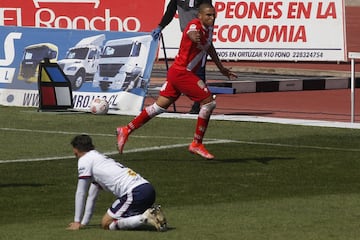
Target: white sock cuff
{"x": 154, "y": 110}
{"x": 207, "y": 109}
{"x": 132, "y": 222}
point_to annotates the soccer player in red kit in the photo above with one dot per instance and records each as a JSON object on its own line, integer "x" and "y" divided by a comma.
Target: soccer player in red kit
{"x": 182, "y": 79}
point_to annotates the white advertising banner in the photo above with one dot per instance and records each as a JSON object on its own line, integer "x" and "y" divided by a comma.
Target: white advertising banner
{"x": 269, "y": 30}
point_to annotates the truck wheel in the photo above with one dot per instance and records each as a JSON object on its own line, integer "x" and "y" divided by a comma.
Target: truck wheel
{"x": 78, "y": 80}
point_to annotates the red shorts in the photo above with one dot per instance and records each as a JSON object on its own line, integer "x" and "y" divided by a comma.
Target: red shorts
{"x": 184, "y": 82}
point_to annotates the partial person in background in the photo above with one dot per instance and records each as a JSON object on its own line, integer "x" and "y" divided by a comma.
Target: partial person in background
{"x": 187, "y": 11}
{"x": 195, "y": 43}
{"x": 135, "y": 196}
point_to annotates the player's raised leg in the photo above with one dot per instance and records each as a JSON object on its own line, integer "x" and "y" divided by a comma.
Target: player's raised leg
{"x": 146, "y": 114}
{"x": 197, "y": 147}
{"x": 122, "y": 134}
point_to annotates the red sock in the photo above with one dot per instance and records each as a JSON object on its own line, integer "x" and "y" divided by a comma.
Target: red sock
{"x": 140, "y": 120}
{"x": 201, "y": 126}
{"x": 146, "y": 114}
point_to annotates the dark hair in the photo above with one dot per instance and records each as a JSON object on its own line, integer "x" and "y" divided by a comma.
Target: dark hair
{"x": 83, "y": 143}
{"x": 203, "y": 6}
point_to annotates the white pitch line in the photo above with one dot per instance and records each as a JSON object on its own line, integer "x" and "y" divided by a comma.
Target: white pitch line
{"x": 52, "y": 132}
{"x": 147, "y": 149}
{"x": 288, "y": 121}
{"x": 36, "y": 159}
{"x": 215, "y": 141}
{"x": 136, "y": 150}
{"x": 91, "y": 134}
{"x": 300, "y": 146}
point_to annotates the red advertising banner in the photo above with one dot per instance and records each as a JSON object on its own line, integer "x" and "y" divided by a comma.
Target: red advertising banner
{"x": 103, "y": 15}
{"x": 284, "y": 30}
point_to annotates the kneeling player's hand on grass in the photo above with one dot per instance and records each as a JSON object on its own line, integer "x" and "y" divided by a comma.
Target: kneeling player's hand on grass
{"x": 74, "y": 226}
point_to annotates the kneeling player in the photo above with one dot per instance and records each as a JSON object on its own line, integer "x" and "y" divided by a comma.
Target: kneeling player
{"x": 134, "y": 206}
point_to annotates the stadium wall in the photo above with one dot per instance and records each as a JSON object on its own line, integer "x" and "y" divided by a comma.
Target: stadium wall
{"x": 352, "y": 2}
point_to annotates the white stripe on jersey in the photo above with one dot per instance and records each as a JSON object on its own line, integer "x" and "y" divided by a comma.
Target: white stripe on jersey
{"x": 203, "y": 54}
{"x": 194, "y": 62}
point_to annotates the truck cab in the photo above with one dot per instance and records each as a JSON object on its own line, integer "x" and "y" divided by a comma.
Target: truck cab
{"x": 122, "y": 64}
{"x": 81, "y": 61}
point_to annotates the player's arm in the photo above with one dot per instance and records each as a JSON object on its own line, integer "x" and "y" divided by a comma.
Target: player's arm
{"x": 169, "y": 14}
{"x": 80, "y": 195}
{"x": 90, "y": 203}
{"x": 165, "y": 20}
{"x": 225, "y": 71}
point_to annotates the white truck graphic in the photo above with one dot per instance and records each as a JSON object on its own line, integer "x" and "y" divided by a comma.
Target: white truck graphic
{"x": 122, "y": 64}
{"x": 81, "y": 61}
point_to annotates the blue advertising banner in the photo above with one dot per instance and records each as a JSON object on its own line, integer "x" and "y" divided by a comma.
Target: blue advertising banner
{"x": 112, "y": 65}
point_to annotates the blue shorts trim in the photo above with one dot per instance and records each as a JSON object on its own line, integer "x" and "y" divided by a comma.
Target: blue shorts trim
{"x": 134, "y": 203}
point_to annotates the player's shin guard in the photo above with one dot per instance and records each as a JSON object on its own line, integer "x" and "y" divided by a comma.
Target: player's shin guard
{"x": 146, "y": 114}
{"x": 203, "y": 120}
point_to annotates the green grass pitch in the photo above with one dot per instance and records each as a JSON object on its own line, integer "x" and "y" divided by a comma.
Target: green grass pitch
{"x": 268, "y": 181}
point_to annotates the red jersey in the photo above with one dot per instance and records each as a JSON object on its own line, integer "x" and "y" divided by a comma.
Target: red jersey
{"x": 191, "y": 55}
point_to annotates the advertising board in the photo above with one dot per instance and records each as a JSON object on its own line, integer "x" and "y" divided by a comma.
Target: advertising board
{"x": 261, "y": 30}
{"x": 112, "y": 65}
{"x": 269, "y": 30}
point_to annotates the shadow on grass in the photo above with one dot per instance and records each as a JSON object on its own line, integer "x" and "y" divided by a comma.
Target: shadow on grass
{"x": 262, "y": 160}
{"x": 142, "y": 228}
{"x": 11, "y": 185}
